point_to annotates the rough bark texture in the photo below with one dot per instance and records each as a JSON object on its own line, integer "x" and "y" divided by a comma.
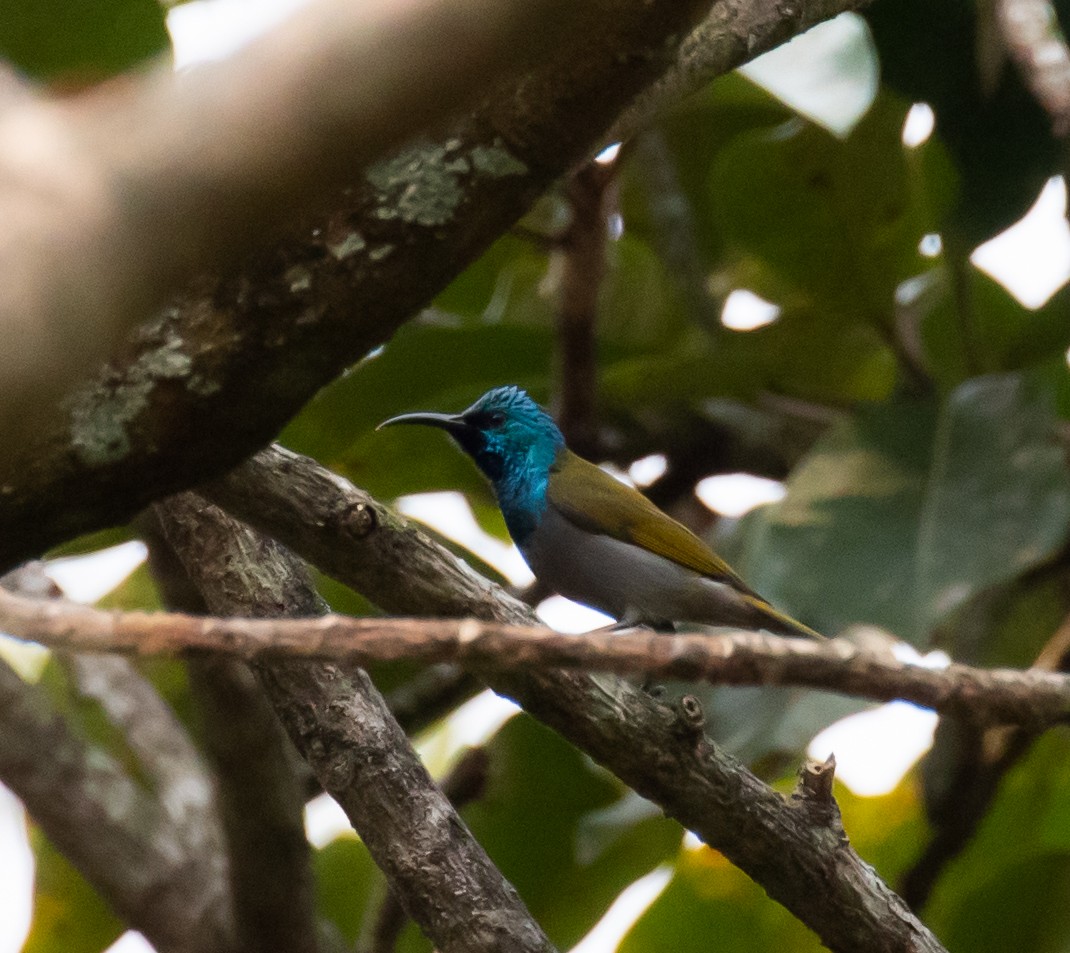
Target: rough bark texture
{"x": 113, "y": 199}
{"x": 219, "y": 372}
{"x": 735, "y": 31}
{"x": 231, "y": 360}
{"x": 810, "y": 869}
{"x": 176, "y": 896}
{"x": 167, "y": 756}
{"x": 360, "y": 755}
{"x": 260, "y": 780}
{"x": 1030, "y": 698}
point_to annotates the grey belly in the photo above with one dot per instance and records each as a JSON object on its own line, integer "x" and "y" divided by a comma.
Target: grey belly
{"x": 625, "y": 581}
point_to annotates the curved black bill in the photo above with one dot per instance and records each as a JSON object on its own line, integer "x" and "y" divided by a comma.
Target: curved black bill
{"x": 450, "y": 422}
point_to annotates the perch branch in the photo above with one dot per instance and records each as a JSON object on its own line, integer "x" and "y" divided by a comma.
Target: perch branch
{"x": 984, "y": 696}
{"x": 659, "y": 752}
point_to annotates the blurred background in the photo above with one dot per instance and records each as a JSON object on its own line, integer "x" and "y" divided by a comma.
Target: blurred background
{"x": 818, "y": 313}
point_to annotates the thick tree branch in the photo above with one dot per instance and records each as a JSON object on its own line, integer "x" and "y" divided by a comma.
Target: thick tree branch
{"x": 262, "y": 801}
{"x": 116, "y": 833}
{"x": 659, "y": 752}
{"x": 259, "y": 777}
{"x": 112, "y": 199}
{"x": 735, "y": 32}
{"x": 227, "y": 364}
{"x": 983, "y": 696}
{"x": 341, "y": 725}
{"x": 464, "y": 784}
{"x": 165, "y": 753}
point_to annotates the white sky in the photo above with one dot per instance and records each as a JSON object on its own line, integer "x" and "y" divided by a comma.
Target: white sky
{"x": 873, "y": 749}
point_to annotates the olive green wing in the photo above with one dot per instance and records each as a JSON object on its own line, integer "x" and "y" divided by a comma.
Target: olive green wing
{"x": 590, "y": 498}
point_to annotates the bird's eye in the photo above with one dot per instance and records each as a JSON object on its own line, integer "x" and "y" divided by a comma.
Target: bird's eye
{"x": 495, "y": 419}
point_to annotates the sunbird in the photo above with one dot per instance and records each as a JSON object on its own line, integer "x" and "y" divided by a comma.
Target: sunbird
{"x": 590, "y": 537}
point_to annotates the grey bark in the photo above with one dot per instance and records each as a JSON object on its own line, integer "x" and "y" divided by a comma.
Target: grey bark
{"x": 342, "y": 726}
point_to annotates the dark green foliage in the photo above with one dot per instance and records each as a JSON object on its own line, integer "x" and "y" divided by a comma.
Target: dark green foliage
{"x": 76, "y": 42}
{"x": 921, "y": 408}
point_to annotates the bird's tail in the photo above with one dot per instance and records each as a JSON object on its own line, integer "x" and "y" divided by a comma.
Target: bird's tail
{"x": 779, "y": 623}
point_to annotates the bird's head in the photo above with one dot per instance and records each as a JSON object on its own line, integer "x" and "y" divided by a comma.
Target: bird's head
{"x": 509, "y": 436}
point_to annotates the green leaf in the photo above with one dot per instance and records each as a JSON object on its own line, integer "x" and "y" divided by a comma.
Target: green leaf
{"x": 76, "y": 42}
{"x": 69, "y": 916}
{"x": 768, "y": 728}
{"x": 841, "y": 547}
{"x": 533, "y": 823}
{"x": 349, "y": 887}
{"x": 998, "y": 500}
{"x": 696, "y": 132}
{"x": 136, "y": 592}
{"x": 91, "y": 542}
{"x": 902, "y": 514}
{"x": 998, "y": 135}
{"x": 709, "y": 904}
{"x": 840, "y": 219}
{"x": 1013, "y": 876}
{"x": 1022, "y": 907}
{"x": 1005, "y": 335}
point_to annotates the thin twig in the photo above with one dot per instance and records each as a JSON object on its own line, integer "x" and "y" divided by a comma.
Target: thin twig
{"x": 984, "y": 696}
{"x": 1030, "y": 30}
{"x": 582, "y": 268}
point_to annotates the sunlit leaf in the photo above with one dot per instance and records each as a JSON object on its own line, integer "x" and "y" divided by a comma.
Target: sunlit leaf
{"x": 349, "y": 887}
{"x": 903, "y": 513}
{"x": 531, "y": 819}
{"x": 69, "y": 916}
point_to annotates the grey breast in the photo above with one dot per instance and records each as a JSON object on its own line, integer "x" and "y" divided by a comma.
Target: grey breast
{"x": 621, "y": 579}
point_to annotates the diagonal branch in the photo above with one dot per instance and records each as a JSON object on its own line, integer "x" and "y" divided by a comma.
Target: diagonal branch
{"x": 662, "y": 754}
{"x": 341, "y": 725}
{"x": 223, "y": 368}
{"x": 113, "y": 199}
{"x": 116, "y": 834}
{"x": 165, "y": 752}
{"x": 260, "y": 789}
{"x": 735, "y": 32}
{"x": 983, "y": 696}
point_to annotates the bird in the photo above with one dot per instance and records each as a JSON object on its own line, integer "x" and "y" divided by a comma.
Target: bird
{"x": 591, "y": 538}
